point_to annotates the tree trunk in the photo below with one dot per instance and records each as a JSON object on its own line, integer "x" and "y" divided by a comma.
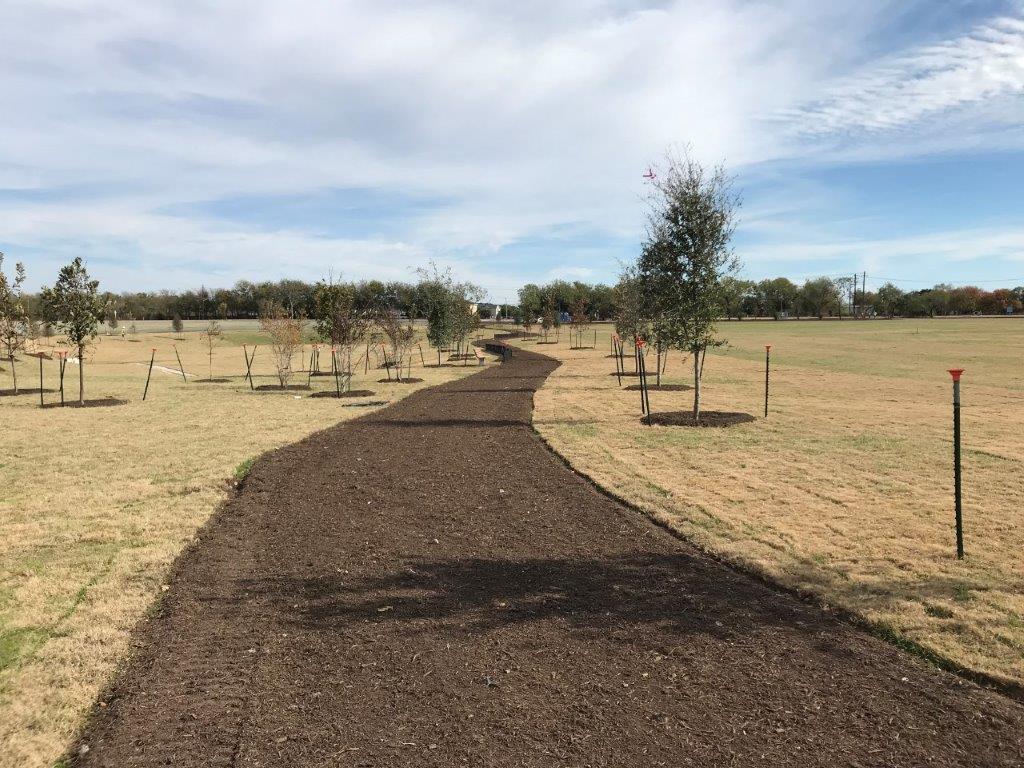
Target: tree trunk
{"x": 657, "y": 379}
{"x": 14, "y": 373}
{"x": 696, "y": 384}
{"x": 81, "y": 376}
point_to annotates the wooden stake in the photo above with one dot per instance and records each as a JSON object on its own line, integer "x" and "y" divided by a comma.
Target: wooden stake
{"x": 152, "y": 357}
{"x": 180, "y": 366}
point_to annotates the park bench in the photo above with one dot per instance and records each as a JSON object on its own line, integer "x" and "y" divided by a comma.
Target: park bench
{"x": 479, "y": 355}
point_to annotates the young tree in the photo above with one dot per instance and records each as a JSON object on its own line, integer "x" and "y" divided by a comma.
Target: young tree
{"x": 437, "y": 292}
{"x": 401, "y": 336}
{"x": 76, "y": 308}
{"x": 14, "y": 321}
{"x": 341, "y": 319}
{"x": 176, "y": 324}
{"x": 686, "y": 257}
{"x": 466, "y": 320}
{"x": 579, "y": 313}
{"x": 531, "y": 304}
{"x": 549, "y": 319}
{"x": 285, "y": 334}
{"x": 211, "y": 335}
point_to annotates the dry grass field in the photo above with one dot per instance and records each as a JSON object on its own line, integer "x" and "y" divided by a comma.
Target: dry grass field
{"x": 846, "y": 489}
{"x": 96, "y": 503}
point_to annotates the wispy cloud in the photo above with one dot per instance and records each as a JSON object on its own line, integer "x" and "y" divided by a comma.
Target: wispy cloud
{"x": 896, "y": 93}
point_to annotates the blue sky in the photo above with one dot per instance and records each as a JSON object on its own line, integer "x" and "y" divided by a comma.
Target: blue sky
{"x": 197, "y": 143}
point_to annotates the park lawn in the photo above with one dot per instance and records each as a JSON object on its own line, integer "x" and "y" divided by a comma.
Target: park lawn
{"x": 846, "y": 490}
{"x": 97, "y": 503}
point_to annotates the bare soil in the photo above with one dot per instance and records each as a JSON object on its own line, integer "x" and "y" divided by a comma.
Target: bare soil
{"x": 287, "y": 388}
{"x": 25, "y": 391}
{"x": 101, "y": 402}
{"x": 431, "y": 586}
{"x": 707, "y": 418}
{"x": 350, "y": 393}
{"x": 661, "y": 387}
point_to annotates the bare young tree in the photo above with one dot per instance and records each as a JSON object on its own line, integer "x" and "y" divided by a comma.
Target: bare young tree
{"x": 211, "y": 336}
{"x": 579, "y": 314}
{"x": 285, "y": 334}
{"x": 401, "y": 336}
{"x": 14, "y": 321}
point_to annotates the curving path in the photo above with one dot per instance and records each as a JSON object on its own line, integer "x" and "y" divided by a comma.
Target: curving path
{"x": 430, "y": 586}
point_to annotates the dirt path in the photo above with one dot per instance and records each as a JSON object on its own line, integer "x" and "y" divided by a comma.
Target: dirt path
{"x": 430, "y": 586}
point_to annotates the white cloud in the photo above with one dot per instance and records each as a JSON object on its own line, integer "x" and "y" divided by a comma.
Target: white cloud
{"x": 526, "y": 116}
{"x": 975, "y": 69}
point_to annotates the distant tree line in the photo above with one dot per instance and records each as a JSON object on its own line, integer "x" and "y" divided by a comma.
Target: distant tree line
{"x": 560, "y": 300}
{"x": 245, "y": 300}
{"x": 827, "y": 297}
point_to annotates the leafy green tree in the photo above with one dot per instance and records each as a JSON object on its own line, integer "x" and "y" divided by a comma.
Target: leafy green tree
{"x": 437, "y": 292}
{"x": 76, "y": 308}
{"x": 888, "y": 300}
{"x": 531, "y": 304}
{"x": 734, "y": 293}
{"x": 686, "y": 256}
{"x": 774, "y": 297}
{"x": 819, "y": 296}
{"x": 14, "y": 320}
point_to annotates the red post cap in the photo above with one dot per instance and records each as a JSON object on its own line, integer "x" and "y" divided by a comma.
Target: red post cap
{"x": 640, "y": 342}
{"x": 767, "y": 346}
{"x": 956, "y": 373}
{"x": 152, "y": 349}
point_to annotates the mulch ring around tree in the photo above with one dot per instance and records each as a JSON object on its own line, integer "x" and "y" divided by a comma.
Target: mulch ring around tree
{"x": 103, "y": 402}
{"x": 403, "y": 381}
{"x": 707, "y": 419}
{"x": 279, "y": 388}
{"x": 211, "y": 381}
{"x": 661, "y": 387}
{"x": 624, "y": 373}
{"x": 24, "y": 391}
{"x": 351, "y": 393}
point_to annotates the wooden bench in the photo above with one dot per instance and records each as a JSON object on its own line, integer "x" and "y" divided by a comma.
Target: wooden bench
{"x": 479, "y": 355}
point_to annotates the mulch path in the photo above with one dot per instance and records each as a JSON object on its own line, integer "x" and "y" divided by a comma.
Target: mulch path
{"x": 430, "y": 586}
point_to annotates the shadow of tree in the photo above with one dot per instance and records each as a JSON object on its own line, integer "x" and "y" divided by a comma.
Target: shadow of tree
{"x": 671, "y": 593}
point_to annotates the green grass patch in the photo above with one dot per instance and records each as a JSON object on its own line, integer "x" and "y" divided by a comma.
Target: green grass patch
{"x": 243, "y": 469}
{"x": 19, "y": 642}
